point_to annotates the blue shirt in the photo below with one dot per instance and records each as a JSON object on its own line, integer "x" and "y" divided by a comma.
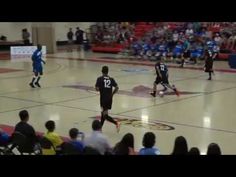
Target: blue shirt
{"x": 162, "y": 48}
{"x": 146, "y": 47}
{"x": 137, "y": 46}
{"x": 210, "y": 44}
{"x": 78, "y": 145}
{"x": 178, "y": 48}
{"x": 4, "y": 138}
{"x": 37, "y": 58}
{"x": 149, "y": 151}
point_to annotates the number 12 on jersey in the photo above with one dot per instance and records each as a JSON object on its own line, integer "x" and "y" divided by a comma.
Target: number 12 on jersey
{"x": 107, "y": 83}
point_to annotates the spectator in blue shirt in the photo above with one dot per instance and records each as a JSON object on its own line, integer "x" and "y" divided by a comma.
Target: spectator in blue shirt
{"x": 4, "y": 138}
{"x": 74, "y": 133}
{"x": 149, "y": 141}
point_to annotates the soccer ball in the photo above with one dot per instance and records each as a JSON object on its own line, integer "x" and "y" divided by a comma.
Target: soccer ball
{"x": 161, "y": 93}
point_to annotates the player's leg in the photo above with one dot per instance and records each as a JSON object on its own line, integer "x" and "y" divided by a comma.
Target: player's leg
{"x": 185, "y": 55}
{"x": 108, "y": 105}
{"x": 165, "y": 88}
{"x": 33, "y": 79}
{"x": 194, "y": 60}
{"x": 38, "y": 78}
{"x": 182, "y": 62}
{"x": 103, "y": 113}
{"x": 209, "y": 75}
{"x": 156, "y": 82}
{"x": 110, "y": 119}
{"x": 105, "y": 116}
{"x": 172, "y": 87}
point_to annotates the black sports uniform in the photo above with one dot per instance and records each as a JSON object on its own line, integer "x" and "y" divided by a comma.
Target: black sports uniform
{"x": 209, "y": 63}
{"x": 105, "y": 85}
{"x": 164, "y": 73}
{"x": 162, "y": 78}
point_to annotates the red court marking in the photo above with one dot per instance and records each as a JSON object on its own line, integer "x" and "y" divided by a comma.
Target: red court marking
{"x": 4, "y": 56}
{"x": 8, "y": 70}
{"x": 146, "y": 63}
{"x": 10, "y": 129}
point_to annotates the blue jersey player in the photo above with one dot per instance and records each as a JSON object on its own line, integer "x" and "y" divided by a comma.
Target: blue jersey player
{"x": 197, "y": 53}
{"x": 178, "y": 51}
{"x": 37, "y": 66}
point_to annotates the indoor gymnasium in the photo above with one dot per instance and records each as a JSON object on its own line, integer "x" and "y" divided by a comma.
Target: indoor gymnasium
{"x": 117, "y": 88}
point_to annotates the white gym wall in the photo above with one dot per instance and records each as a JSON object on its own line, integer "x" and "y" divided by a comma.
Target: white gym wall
{"x": 12, "y": 30}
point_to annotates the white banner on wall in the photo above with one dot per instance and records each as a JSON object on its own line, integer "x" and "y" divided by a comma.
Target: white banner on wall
{"x": 25, "y": 50}
{"x": 24, "y": 53}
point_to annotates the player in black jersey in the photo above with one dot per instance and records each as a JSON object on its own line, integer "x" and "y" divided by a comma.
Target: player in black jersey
{"x": 209, "y": 62}
{"x": 162, "y": 78}
{"x": 105, "y": 86}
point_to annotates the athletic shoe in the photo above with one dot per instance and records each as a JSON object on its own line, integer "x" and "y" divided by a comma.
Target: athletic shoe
{"x": 176, "y": 91}
{"x": 118, "y": 127}
{"x": 153, "y": 94}
{"x": 37, "y": 84}
{"x": 32, "y": 85}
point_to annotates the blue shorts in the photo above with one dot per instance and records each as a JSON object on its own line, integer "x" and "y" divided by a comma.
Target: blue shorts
{"x": 38, "y": 70}
{"x": 195, "y": 55}
{"x": 177, "y": 54}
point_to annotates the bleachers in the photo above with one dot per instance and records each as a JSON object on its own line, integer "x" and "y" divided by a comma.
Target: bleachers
{"x": 140, "y": 29}
{"x": 112, "y": 48}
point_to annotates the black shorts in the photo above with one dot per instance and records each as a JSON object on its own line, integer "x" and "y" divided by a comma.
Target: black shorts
{"x": 163, "y": 80}
{"x": 106, "y": 103}
{"x": 186, "y": 54}
{"x": 208, "y": 69}
{"x": 158, "y": 80}
{"x": 209, "y": 66}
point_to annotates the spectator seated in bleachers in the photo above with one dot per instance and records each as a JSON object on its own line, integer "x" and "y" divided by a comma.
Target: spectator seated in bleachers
{"x": 4, "y": 138}
{"x": 125, "y": 146}
{"x": 53, "y": 137}
{"x": 194, "y": 151}
{"x": 149, "y": 140}
{"x": 213, "y": 149}
{"x": 180, "y": 146}
{"x": 74, "y": 135}
{"x": 96, "y": 139}
{"x": 27, "y": 130}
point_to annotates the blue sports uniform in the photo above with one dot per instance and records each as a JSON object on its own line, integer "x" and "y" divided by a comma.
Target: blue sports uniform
{"x": 136, "y": 48}
{"x": 37, "y": 62}
{"x": 210, "y": 45}
{"x": 178, "y": 50}
{"x": 146, "y": 47}
{"x": 162, "y": 50}
{"x": 197, "y": 52}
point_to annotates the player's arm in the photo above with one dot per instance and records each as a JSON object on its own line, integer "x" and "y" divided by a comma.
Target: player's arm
{"x": 114, "y": 84}
{"x": 97, "y": 85}
{"x": 115, "y": 90}
{"x": 33, "y": 56}
{"x": 158, "y": 71}
{"x": 43, "y": 61}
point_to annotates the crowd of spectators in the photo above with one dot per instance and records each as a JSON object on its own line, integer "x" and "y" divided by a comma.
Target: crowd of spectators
{"x": 25, "y": 140}
{"x": 169, "y": 39}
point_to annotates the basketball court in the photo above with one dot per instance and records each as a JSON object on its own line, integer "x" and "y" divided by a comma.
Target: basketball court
{"x": 204, "y": 112}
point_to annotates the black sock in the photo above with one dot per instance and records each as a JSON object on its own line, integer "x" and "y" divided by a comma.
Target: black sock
{"x": 37, "y": 81}
{"x": 102, "y": 119}
{"x": 110, "y": 119}
{"x": 33, "y": 79}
